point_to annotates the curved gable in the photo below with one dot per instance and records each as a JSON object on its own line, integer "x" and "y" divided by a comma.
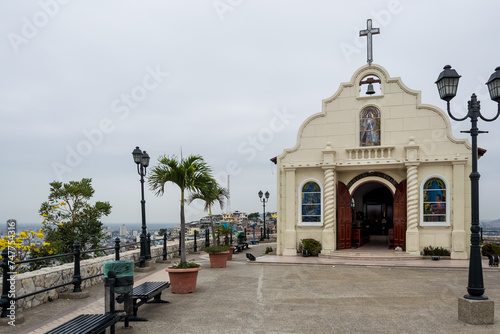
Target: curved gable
{"x": 403, "y": 120}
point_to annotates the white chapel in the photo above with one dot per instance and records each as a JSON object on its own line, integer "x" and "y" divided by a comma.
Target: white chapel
{"x": 375, "y": 165}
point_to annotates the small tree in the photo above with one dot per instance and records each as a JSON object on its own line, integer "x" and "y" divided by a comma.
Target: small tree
{"x": 69, "y": 216}
{"x": 189, "y": 174}
{"x": 224, "y": 231}
{"x": 211, "y": 193}
{"x": 253, "y": 215}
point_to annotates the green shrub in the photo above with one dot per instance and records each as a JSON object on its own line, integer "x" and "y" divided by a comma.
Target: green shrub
{"x": 186, "y": 265}
{"x": 311, "y": 245}
{"x": 217, "y": 249}
{"x": 440, "y": 251}
{"x": 490, "y": 249}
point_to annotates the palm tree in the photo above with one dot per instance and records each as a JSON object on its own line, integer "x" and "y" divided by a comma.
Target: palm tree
{"x": 210, "y": 194}
{"x": 191, "y": 174}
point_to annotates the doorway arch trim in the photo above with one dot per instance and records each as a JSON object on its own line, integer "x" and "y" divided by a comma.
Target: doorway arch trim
{"x": 352, "y": 186}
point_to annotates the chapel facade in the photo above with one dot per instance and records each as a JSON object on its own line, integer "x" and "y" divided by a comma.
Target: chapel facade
{"x": 379, "y": 167}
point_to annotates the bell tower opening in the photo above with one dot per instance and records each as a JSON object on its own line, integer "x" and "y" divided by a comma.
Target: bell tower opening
{"x": 373, "y": 214}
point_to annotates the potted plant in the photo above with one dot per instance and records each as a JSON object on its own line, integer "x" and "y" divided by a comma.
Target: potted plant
{"x": 490, "y": 249}
{"x": 191, "y": 173}
{"x": 217, "y": 255}
{"x": 210, "y": 192}
{"x": 436, "y": 252}
{"x": 183, "y": 277}
{"x": 310, "y": 247}
{"x": 225, "y": 232}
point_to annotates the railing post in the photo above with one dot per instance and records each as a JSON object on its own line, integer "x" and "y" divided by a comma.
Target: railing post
{"x": 77, "y": 278}
{"x": 207, "y": 238}
{"x": 195, "y": 247}
{"x": 142, "y": 256}
{"x": 117, "y": 249}
{"x": 112, "y": 281}
{"x": 148, "y": 246}
{"x": 5, "y": 301}
{"x": 179, "y": 244}
{"x": 165, "y": 246}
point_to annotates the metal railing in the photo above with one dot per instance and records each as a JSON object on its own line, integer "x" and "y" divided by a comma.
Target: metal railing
{"x": 8, "y": 267}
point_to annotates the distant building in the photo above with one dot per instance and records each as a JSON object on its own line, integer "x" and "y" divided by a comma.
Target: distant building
{"x": 192, "y": 229}
{"x": 123, "y": 230}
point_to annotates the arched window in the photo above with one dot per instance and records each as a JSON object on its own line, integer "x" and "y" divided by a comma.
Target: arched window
{"x": 369, "y": 127}
{"x": 435, "y": 203}
{"x": 310, "y": 204}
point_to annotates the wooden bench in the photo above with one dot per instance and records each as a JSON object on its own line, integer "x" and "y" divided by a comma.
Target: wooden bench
{"x": 143, "y": 293}
{"x": 92, "y": 323}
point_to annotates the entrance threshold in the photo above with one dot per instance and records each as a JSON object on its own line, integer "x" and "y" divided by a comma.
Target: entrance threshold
{"x": 375, "y": 250}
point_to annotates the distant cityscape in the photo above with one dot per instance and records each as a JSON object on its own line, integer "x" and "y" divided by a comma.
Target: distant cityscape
{"x": 130, "y": 232}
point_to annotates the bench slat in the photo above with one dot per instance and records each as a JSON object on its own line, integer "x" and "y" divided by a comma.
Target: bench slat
{"x": 147, "y": 288}
{"x": 86, "y": 324}
{"x": 144, "y": 292}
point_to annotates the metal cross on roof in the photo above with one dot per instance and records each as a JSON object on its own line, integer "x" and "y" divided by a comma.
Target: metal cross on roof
{"x": 368, "y": 32}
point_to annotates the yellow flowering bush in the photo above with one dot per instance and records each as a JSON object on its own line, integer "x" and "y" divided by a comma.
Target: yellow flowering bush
{"x": 24, "y": 246}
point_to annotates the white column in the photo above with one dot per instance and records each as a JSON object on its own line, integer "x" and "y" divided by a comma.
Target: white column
{"x": 291, "y": 213}
{"x": 329, "y": 220}
{"x": 459, "y": 242}
{"x": 412, "y": 203}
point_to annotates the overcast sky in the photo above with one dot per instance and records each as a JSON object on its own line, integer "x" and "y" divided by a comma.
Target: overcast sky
{"x": 82, "y": 83}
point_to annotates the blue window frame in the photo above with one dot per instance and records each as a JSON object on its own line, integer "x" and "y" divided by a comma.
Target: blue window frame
{"x": 311, "y": 203}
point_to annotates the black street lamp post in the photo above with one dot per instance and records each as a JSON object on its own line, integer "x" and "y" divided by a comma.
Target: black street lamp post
{"x": 264, "y": 200}
{"x": 141, "y": 158}
{"x": 447, "y": 84}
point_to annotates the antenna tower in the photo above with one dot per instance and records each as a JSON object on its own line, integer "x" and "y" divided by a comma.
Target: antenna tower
{"x": 228, "y": 197}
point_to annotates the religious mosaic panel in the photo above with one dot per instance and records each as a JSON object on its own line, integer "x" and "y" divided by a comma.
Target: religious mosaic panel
{"x": 434, "y": 200}
{"x": 311, "y": 202}
{"x": 369, "y": 127}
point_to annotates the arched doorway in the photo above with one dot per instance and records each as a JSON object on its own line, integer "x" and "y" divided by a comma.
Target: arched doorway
{"x": 371, "y": 211}
{"x": 373, "y": 221}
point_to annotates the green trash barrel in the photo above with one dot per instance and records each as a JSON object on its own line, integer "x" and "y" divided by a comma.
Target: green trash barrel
{"x": 124, "y": 280}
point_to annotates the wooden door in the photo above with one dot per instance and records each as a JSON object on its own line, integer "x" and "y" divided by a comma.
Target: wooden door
{"x": 400, "y": 216}
{"x": 344, "y": 217}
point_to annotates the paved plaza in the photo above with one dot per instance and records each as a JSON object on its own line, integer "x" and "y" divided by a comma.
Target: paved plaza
{"x": 278, "y": 294}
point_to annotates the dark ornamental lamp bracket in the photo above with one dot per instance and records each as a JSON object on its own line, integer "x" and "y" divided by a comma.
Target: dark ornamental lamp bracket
{"x": 447, "y": 84}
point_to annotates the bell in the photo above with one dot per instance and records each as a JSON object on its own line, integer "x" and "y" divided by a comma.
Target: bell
{"x": 370, "y": 90}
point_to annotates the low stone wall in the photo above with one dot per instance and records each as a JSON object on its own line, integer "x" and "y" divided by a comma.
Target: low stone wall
{"x": 489, "y": 239}
{"x": 29, "y": 282}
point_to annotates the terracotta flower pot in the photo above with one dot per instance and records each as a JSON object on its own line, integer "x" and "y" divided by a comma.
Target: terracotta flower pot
{"x": 230, "y": 254}
{"x": 218, "y": 260}
{"x": 183, "y": 280}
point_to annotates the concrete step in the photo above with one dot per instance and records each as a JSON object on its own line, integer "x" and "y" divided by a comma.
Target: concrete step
{"x": 378, "y": 256}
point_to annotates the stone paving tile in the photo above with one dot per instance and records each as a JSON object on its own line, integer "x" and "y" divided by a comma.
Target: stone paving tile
{"x": 297, "y": 295}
